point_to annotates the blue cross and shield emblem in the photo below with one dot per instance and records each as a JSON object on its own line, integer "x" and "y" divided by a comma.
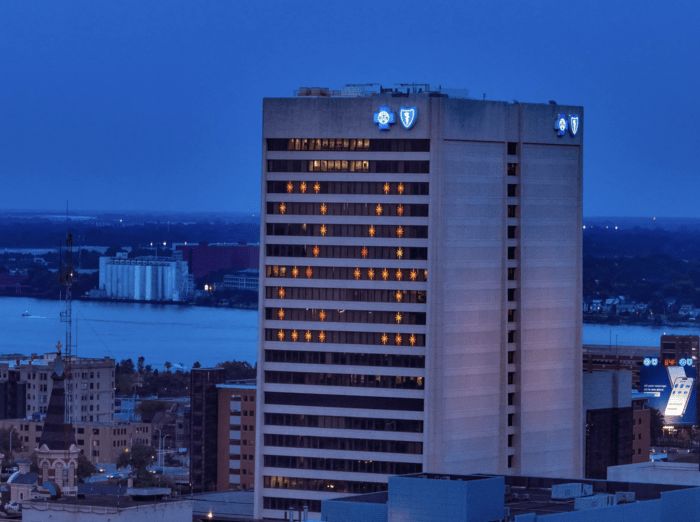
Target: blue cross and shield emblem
{"x": 560, "y": 125}
{"x": 573, "y": 124}
{"x": 408, "y": 116}
{"x": 384, "y": 117}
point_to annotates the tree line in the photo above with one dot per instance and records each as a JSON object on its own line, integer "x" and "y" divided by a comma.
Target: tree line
{"x": 142, "y": 379}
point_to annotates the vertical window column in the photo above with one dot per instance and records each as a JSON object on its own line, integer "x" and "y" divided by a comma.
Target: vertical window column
{"x": 512, "y": 302}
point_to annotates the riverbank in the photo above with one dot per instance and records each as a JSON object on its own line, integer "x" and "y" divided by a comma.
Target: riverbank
{"x": 205, "y": 302}
{"x": 658, "y": 322}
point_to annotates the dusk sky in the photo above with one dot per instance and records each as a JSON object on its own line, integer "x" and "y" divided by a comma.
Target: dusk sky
{"x": 157, "y": 105}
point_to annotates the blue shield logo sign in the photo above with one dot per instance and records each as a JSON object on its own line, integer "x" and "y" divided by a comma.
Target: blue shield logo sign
{"x": 560, "y": 125}
{"x": 408, "y": 116}
{"x": 573, "y": 124}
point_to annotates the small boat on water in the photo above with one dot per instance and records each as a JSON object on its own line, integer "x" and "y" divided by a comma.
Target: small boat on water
{"x": 26, "y": 314}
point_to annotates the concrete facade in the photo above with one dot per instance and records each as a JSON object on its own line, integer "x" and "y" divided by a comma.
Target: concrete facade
{"x": 485, "y": 363}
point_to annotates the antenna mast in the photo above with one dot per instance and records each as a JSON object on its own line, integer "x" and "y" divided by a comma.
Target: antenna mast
{"x": 66, "y": 317}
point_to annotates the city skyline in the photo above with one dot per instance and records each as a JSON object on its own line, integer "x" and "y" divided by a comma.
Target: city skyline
{"x": 133, "y": 107}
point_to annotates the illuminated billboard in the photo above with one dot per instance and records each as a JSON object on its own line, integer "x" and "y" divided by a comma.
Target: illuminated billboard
{"x": 673, "y": 389}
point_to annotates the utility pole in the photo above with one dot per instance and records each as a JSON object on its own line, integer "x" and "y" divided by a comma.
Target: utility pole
{"x": 66, "y": 317}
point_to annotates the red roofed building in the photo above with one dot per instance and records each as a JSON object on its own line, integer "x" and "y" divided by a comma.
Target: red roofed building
{"x": 212, "y": 257}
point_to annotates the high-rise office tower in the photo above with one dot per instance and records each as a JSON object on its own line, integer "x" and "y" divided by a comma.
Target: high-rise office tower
{"x": 420, "y": 303}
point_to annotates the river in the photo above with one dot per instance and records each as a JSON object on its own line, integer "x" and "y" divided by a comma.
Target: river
{"x": 160, "y": 333}
{"x": 185, "y": 334}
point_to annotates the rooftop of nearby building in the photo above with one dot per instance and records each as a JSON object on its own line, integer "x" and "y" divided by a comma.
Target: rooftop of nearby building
{"x": 658, "y": 473}
{"x": 359, "y": 90}
{"x": 525, "y": 495}
{"x": 621, "y": 350}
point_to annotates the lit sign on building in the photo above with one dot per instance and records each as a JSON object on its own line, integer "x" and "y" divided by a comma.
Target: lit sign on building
{"x": 384, "y": 117}
{"x": 561, "y": 125}
{"x": 573, "y": 124}
{"x": 408, "y": 116}
{"x": 671, "y": 389}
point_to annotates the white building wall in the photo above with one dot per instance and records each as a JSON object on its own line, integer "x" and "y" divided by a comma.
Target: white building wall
{"x": 467, "y": 414}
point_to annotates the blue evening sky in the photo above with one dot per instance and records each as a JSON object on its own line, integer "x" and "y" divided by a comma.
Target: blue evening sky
{"x": 138, "y": 105}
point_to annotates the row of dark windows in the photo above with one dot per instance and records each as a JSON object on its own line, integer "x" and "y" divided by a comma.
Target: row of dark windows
{"x": 348, "y": 187}
{"x": 344, "y": 444}
{"x": 366, "y": 166}
{"x": 344, "y": 401}
{"x": 346, "y": 144}
{"x": 345, "y": 230}
{"x": 347, "y": 252}
{"x": 335, "y": 337}
{"x": 346, "y": 465}
{"x": 327, "y": 485}
{"x": 297, "y": 208}
{"x": 345, "y": 294}
{"x": 347, "y": 359}
{"x": 343, "y": 423}
{"x": 296, "y": 504}
{"x": 393, "y": 382}
{"x": 345, "y": 273}
{"x": 344, "y": 316}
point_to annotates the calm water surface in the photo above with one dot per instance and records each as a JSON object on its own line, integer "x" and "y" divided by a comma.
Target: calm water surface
{"x": 185, "y": 334}
{"x": 179, "y": 334}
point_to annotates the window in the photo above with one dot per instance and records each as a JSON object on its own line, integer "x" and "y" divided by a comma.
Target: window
{"x": 510, "y": 461}
{"x": 511, "y": 418}
{"x": 511, "y": 316}
{"x": 510, "y": 440}
{"x": 511, "y": 294}
{"x": 512, "y": 148}
{"x": 511, "y": 377}
{"x": 512, "y": 169}
{"x": 511, "y": 357}
{"x": 639, "y": 451}
{"x": 512, "y": 211}
{"x": 511, "y": 274}
{"x": 511, "y": 232}
{"x": 640, "y": 421}
{"x": 511, "y": 252}
{"x": 511, "y": 336}
{"x": 511, "y": 400}
{"x": 511, "y": 191}
{"x": 639, "y": 437}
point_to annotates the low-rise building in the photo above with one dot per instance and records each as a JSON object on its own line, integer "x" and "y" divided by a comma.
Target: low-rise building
{"x": 90, "y": 386}
{"x": 243, "y": 280}
{"x": 99, "y": 442}
{"x": 485, "y": 498}
{"x": 138, "y": 505}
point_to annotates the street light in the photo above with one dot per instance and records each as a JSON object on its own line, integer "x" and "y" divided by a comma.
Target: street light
{"x": 13, "y": 429}
{"x": 162, "y": 463}
{"x": 92, "y": 448}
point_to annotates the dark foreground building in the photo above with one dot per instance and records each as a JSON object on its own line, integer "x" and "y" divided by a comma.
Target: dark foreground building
{"x": 204, "y": 401}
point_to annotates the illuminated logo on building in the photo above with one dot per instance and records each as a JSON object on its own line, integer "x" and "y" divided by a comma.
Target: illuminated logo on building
{"x": 561, "y": 125}
{"x": 384, "y": 117}
{"x": 651, "y": 361}
{"x": 408, "y": 116}
{"x": 573, "y": 124}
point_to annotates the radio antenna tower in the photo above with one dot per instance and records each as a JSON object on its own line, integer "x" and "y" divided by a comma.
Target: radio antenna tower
{"x": 67, "y": 281}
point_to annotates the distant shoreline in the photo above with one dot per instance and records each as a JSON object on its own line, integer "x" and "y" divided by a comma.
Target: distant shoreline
{"x": 129, "y": 301}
